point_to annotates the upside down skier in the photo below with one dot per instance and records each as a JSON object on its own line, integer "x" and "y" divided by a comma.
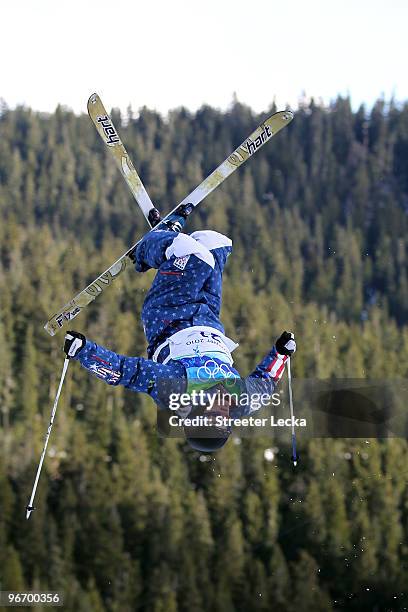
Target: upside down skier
{"x": 186, "y": 339}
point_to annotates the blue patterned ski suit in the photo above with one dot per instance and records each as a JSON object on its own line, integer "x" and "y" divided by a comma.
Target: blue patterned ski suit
{"x": 186, "y": 292}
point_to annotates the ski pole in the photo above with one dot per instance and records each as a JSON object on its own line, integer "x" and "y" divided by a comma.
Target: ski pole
{"x": 294, "y": 453}
{"x": 30, "y": 506}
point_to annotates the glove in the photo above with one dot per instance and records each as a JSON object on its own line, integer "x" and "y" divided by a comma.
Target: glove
{"x": 285, "y": 344}
{"x": 74, "y": 342}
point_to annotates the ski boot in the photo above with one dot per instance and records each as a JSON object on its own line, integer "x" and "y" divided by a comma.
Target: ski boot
{"x": 154, "y": 217}
{"x": 175, "y": 221}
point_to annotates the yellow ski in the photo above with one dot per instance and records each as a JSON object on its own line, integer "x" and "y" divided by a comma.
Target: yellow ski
{"x": 110, "y": 137}
{"x": 255, "y": 141}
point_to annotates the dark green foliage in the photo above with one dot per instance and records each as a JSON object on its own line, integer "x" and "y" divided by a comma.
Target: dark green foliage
{"x": 127, "y": 520}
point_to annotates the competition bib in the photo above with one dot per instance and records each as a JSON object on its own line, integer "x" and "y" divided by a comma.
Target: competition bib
{"x": 205, "y": 353}
{"x": 201, "y": 341}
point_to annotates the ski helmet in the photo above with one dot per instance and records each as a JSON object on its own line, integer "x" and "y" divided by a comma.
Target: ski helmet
{"x": 207, "y": 437}
{"x": 207, "y": 445}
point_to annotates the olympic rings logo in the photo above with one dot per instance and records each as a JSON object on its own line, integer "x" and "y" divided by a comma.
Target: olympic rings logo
{"x": 212, "y": 370}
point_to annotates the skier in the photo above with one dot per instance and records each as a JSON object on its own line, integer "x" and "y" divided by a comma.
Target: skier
{"x": 186, "y": 340}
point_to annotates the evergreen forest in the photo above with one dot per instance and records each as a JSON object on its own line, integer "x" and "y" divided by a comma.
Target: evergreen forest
{"x": 130, "y": 521}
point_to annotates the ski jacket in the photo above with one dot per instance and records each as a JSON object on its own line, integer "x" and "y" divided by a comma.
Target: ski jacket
{"x": 187, "y": 289}
{"x": 186, "y": 293}
{"x": 147, "y": 376}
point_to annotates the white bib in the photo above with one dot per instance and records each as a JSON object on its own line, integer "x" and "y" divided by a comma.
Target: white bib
{"x": 201, "y": 340}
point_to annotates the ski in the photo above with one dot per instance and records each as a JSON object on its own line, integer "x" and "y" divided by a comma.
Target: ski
{"x": 110, "y": 137}
{"x": 255, "y": 141}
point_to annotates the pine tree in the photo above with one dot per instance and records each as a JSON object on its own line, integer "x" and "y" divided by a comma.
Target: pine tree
{"x": 307, "y": 593}
{"x": 12, "y": 573}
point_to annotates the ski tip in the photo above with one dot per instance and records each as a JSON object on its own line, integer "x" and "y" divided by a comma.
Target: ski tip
{"x": 93, "y": 98}
{"x": 49, "y": 329}
{"x": 287, "y": 115}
